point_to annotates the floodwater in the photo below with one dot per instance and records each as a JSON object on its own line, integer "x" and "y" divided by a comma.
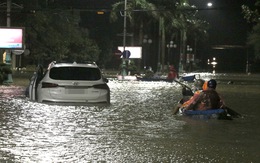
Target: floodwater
{"x": 138, "y": 126}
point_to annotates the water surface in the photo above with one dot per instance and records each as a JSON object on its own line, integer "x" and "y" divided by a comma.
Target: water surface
{"x": 138, "y": 126}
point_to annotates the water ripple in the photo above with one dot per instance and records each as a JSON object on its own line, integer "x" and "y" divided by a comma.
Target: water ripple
{"x": 137, "y": 127}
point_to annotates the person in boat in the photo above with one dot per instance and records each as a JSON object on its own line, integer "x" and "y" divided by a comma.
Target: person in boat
{"x": 188, "y": 96}
{"x": 212, "y": 101}
{"x": 199, "y": 85}
{"x": 149, "y": 72}
{"x": 172, "y": 73}
{"x": 207, "y": 99}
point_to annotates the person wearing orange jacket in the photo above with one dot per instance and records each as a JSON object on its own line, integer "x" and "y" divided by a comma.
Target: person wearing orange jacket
{"x": 206, "y": 99}
{"x": 172, "y": 73}
{"x": 199, "y": 87}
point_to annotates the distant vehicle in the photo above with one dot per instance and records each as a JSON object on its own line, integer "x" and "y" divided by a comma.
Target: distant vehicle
{"x": 69, "y": 83}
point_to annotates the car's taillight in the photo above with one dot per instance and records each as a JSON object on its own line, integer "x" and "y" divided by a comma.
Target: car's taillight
{"x": 49, "y": 85}
{"x": 101, "y": 86}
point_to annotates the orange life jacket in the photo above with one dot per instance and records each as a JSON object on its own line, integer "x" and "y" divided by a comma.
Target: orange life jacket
{"x": 185, "y": 104}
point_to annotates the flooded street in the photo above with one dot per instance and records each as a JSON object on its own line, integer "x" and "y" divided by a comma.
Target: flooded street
{"x": 138, "y": 126}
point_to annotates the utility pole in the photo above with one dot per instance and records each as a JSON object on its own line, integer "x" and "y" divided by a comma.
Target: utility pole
{"x": 8, "y": 59}
{"x": 8, "y": 12}
{"x": 123, "y": 72}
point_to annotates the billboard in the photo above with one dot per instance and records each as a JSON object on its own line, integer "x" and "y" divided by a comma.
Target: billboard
{"x": 11, "y": 38}
{"x": 136, "y": 51}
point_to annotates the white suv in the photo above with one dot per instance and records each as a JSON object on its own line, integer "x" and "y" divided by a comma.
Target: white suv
{"x": 69, "y": 83}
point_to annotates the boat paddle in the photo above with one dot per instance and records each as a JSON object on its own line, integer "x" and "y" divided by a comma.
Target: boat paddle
{"x": 232, "y": 113}
{"x": 186, "y": 91}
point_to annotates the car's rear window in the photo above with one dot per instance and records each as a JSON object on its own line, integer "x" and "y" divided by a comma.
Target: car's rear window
{"x": 75, "y": 73}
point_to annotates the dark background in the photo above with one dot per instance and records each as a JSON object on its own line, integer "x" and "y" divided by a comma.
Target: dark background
{"x": 227, "y": 27}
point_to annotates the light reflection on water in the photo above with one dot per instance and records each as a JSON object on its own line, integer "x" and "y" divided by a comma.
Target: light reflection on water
{"x": 137, "y": 127}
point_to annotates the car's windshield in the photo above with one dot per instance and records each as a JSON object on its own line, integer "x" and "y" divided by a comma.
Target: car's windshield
{"x": 75, "y": 73}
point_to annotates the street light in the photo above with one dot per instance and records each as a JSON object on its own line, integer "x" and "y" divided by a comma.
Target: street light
{"x": 189, "y": 58}
{"x": 189, "y": 54}
{"x": 209, "y": 4}
{"x": 213, "y": 63}
{"x": 169, "y": 46}
{"x": 148, "y": 41}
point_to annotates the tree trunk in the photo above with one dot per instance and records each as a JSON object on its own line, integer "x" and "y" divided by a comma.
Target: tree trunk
{"x": 163, "y": 44}
{"x": 183, "y": 56}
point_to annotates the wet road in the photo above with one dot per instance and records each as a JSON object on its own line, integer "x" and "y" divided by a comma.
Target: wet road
{"x": 137, "y": 127}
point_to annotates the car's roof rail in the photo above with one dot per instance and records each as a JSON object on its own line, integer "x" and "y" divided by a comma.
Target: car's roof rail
{"x": 84, "y": 62}
{"x": 90, "y": 62}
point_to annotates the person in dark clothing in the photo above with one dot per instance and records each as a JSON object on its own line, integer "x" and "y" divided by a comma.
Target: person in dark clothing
{"x": 207, "y": 99}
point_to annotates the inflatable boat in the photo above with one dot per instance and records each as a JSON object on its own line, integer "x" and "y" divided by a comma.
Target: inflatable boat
{"x": 206, "y": 114}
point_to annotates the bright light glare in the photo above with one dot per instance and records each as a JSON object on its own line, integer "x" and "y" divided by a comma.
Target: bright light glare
{"x": 209, "y": 4}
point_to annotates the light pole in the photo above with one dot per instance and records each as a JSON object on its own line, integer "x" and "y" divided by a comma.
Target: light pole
{"x": 189, "y": 54}
{"x": 123, "y": 72}
{"x": 190, "y": 57}
{"x": 213, "y": 63}
{"x": 247, "y": 62}
{"x": 148, "y": 41}
{"x": 8, "y": 59}
{"x": 169, "y": 47}
{"x": 8, "y": 24}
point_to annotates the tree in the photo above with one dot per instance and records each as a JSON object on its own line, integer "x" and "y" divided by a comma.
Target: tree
{"x": 53, "y": 33}
{"x": 183, "y": 20}
{"x": 179, "y": 21}
{"x": 56, "y": 35}
{"x": 166, "y": 10}
{"x": 186, "y": 27}
{"x": 138, "y": 11}
{"x": 139, "y": 14}
{"x": 253, "y": 16}
{"x": 170, "y": 16}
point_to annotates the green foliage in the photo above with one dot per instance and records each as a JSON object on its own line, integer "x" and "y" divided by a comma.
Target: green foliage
{"x": 4, "y": 71}
{"x": 129, "y": 66}
{"x": 132, "y": 67}
{"x": 184, "y": 18}
{"x": 254, "y": 39}
{"x": 174, "y": 19}
{"x": 132, "y": 6}
{"x": 140, "y": 14}
{"x": 56, "y": 35}
{"x": 53, "y": 33}
{"x": 79, "y": 51}
{"x": 253, "y": 16}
